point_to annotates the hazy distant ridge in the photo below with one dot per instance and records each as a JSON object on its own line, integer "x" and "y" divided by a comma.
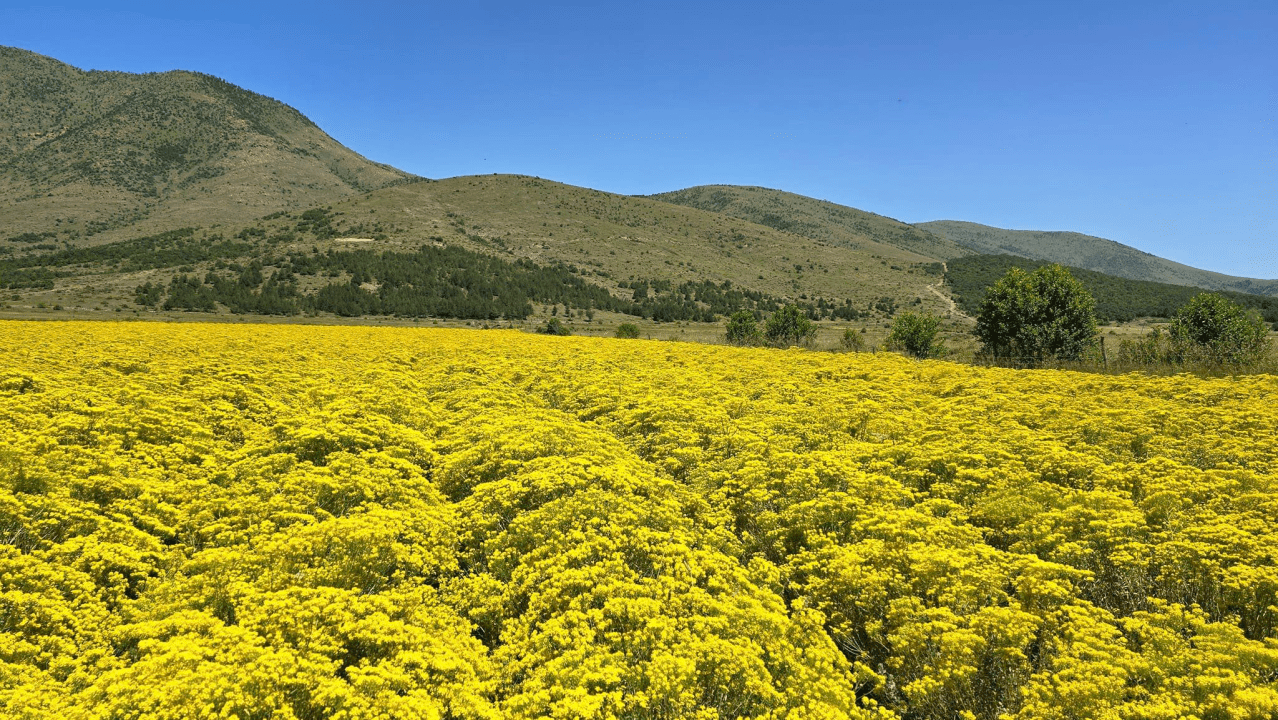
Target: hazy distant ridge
{"x": 1091, "y": 253}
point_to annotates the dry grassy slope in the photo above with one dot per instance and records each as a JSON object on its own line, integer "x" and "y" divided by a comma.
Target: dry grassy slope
{"x": 620, "y": 237}
{"x": 1091, "y": 253}
{"x": 816, "y": 219}
{"x": 142, "y": 153}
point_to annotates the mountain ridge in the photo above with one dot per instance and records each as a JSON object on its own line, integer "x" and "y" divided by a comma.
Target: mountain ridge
{"x": 105, "y": 149}
{"x": 98, "y": 157}
{"x": 1091, "y": 253}
{"x": 815, "y": 219}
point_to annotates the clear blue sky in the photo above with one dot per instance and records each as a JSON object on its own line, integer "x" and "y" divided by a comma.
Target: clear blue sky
{"x": 1154, "y": 124}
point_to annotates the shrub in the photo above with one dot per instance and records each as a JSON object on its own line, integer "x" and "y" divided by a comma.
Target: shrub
{"x": 915, "y": 333}
{"x": 1215, "y": 329}
{"x": 628, "y": 330}
{"x": 743, "y": 328}
{"x": 788, "y": 326}
{"x": 554, "y": 326}
{"x": 1153, "y": 348}
{"x": 853, "y": 341}
{"x": 1030, "y": 317}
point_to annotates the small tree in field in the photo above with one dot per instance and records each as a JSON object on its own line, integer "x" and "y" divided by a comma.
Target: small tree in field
{"x": 916, "y": 335}
{"x": 628, "y": 330}
{"x": 1031, "y": 317}
{"x": 788, "y": 326}
{"x": 853, "y": 341}
{"x": 554, "y": 326}
{"x": 743, "y": 328}
{"x": 1216, "y": 329}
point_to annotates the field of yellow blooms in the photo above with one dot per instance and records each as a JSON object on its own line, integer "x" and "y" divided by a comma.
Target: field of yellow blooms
{"x": 202, "y": 521}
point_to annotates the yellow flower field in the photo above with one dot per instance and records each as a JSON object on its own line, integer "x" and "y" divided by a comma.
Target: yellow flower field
{"x": 343, "y": 522}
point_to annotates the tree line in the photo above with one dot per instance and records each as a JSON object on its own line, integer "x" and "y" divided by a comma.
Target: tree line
{"x": 706, "y": 301}
{"x": 1116, "y": 299}
{"x": 173, "y": 248}
{"x": 1029, "y": 318}
{"x": 447, "y": 281}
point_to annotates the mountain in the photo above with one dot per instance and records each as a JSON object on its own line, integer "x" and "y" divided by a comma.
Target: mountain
{"x": 83, "y": 154}
{"x": 635, "y": 237}
{"x": 815, "y": 219}
{"x": 116, "y": 187}
{"x": 1091, "y": 253}
{"x": 632, "y": 248}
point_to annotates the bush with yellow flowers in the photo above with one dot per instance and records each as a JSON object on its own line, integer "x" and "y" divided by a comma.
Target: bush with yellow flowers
{"x": 325, "y": 522}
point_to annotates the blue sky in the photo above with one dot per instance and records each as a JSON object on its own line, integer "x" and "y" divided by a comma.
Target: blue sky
{"x": 1154, "y": 124}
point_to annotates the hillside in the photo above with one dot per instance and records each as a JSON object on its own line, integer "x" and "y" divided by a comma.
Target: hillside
{"x": 176, "y": 175}
{"x": 1092, "y": 253}
{"x": 627, "y": 237}
{"x": 92, "y": 156}
{"x": 633, "y": 249}
{"x": 815, "y": 219}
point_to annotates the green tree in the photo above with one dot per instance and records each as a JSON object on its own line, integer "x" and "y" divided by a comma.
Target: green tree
{"x": 554, "y": 326}
{"x": 743, "y": 328}
{"x": 853, "y": 341}
{"x": 788, "y": 326}
{"x": 915, "y": 333}
{"x": 628, "y": 330}
{"x": 1031, "y": 317}
{"x": 1217, "y": 329}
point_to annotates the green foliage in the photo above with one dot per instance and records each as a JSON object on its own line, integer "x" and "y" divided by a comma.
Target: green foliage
{"x": 1033, "y": 317}
{"x": 1219, "y": 329}
{"x": 704, "y": 301}
{"x": 166, "y": 249}
{"x": 1152, "y": 349}
{"x": 628, "y": 330}
{"x": 915, "y": 333}
{"x": 788, "y": 326}
{"x": 743, "y": 328}
{"x": 1209, "y": 332}
{"x": 1117, "y": 299}
{"x": 32, "y": 238}
{"x": 34, "y": 278}
{"x": 148, "y": 295}
{"x": 852, "y": 340}
{"x": 885, "y": 305}
{"x": 432, "y": 282}
{"x": 554, "y": 326}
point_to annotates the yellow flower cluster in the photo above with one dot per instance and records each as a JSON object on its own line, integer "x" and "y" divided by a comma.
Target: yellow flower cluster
{"x": 202, "y": 521}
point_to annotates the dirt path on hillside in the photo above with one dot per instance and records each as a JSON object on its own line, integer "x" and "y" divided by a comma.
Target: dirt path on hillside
{"x": 936, "y": 290}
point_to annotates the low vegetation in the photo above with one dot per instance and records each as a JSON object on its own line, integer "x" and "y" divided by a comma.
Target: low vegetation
{"x": 914, "y": 334}
{"x": 1208, "y": 332}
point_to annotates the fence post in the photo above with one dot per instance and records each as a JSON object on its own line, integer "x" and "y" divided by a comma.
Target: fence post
{"x": 1104, "y": 357}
